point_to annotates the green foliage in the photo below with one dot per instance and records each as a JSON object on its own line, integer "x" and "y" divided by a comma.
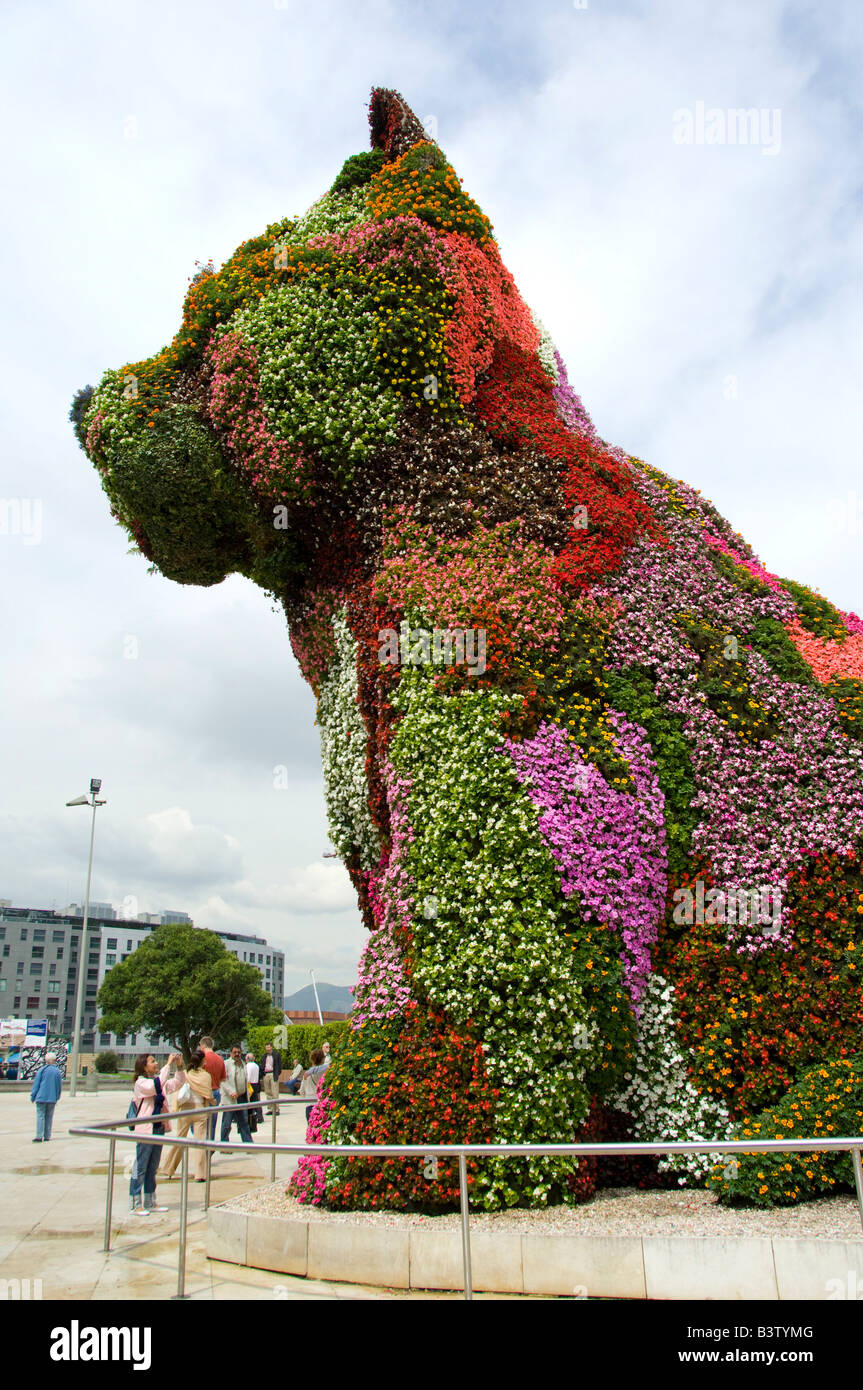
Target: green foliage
{"x": 632, "y": 691}
{"x": 847, "y": 695}
{"x": 80, "y": 403}
{"x": 174, "y": 483}
{"x": 358, "y": 169}
{"x": 739, "y": 575}
{"x": 487, "y": 957}
{"x": 826, "y": 1102}
{"x": 570, "y": 689}
{"x": 816, "y": 614}
{"x": 296, "y": 1041}
{"x": 182, "y": 984}
{"x": 769, "y": 638}
{"x": 106, "y": 1062}
{"x": 724, "y": 680}
{"x": 320, "y": 377}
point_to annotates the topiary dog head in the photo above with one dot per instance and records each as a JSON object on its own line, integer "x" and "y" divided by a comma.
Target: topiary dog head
{"x": 373, "y": 353}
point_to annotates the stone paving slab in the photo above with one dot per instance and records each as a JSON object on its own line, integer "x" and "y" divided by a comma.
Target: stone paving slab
{"x": 52, "y": 1214}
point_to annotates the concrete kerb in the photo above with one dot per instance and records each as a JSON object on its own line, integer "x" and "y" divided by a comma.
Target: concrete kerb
{"x": 731, "y": 1269}
{"x": 777, "y": 1268}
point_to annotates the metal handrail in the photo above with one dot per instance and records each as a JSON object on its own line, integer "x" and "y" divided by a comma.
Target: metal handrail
{"x": 106, "y": 1129}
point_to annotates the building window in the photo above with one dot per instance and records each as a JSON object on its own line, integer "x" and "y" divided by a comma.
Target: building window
{"x": 53, "y": 1003}
{"x": 3, "y": 986}
{"x": 110, "y": 960}
{"x": 92, "y": 974}
{"x": 2, "y": 933}
{"x": 33, "y": 1003}
{"x": 5, "y": 950}
{"x": 105, "y": 1041}
{"x": 125, "y": 956}
{"x": 52, "y": 969}
{"x": 58, "y": 936}
{"x": 129, "y": 946}
{"x": 36, "y": 967}
{"x": 93, "y": 958}
{"x": 260, "y": 960}
{"x": 60, "y": 953}
{"x": 38, "y": 951}
{"x": 20, "y": 967}
{"x": 23, "y": 933}
{"x": 39, "y": 934}
{"x": 16, "y": 1002}
{"x": 112, "y": 943}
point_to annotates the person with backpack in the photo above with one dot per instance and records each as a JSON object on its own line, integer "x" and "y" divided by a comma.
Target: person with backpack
{"x": 149, "y": 1099}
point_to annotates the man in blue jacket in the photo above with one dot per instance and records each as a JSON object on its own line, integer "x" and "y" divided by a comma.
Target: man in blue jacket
{"x": 47, "y": 1085}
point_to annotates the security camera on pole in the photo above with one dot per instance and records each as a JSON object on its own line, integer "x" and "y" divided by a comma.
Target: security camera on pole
{"x": 95, "y": 788}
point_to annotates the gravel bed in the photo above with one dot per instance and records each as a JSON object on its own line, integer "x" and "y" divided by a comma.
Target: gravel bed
{"x": 623, "y": 1211}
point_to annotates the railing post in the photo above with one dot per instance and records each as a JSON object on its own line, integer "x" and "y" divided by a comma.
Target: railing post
{"x": 273, "y": 1154}
{"x": 465, "y": 1225}
{"x": 209, "y": 1160}
{"x": 184, "y": 1211}
{"x": 109, "y": 1199}
{"x": 858, "y": 1180}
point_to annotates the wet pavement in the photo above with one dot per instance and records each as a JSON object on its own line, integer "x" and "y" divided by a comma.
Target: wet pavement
{"x": 53, "y": 1214}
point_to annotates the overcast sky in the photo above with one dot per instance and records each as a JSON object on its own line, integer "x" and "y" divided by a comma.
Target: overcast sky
{"x": 706, "y": 298}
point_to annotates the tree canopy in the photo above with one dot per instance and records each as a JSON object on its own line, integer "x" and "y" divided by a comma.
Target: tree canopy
{"x": 182, "y": 983}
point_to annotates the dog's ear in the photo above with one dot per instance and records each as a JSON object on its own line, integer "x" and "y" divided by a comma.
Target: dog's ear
{"x": 394, "y": 127}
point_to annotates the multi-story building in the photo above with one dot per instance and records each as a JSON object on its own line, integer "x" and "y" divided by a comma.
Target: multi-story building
{"x": 40, "y": 954}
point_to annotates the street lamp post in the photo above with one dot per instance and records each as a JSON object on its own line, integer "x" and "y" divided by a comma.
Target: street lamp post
{"x": 93, "y": 800}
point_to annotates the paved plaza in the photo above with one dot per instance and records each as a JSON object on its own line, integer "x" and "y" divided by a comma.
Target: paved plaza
{"x": 53, "y": 1214}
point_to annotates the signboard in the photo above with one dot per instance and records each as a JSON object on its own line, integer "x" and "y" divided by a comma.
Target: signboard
{"x": 12, "y": 1032}
{"x": 37, "y": 1032}
{"x": 33, "y": 1058}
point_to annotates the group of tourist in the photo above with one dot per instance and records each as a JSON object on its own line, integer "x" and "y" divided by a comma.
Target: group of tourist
{"x": 209, "y": 1081}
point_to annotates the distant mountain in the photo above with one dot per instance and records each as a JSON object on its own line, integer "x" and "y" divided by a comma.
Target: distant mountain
{"x": 334, "y": 999}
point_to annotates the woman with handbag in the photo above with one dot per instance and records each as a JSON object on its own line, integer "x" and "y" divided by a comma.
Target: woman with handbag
{"x": 180, "y": 1098}
{"x": 200, "y": 1084}
{"x": 149, "y": 1099}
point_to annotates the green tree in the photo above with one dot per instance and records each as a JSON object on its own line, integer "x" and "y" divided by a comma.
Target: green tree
{"x": 182, "y": 984}
{"x": 295, "y": 1042}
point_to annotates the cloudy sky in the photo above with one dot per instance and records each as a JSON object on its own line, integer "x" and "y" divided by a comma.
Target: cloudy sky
{"x": 705, "y": 294}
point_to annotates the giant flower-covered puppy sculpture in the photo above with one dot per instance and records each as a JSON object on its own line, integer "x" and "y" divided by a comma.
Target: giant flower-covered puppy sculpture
{"x": 596, "y": 775}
